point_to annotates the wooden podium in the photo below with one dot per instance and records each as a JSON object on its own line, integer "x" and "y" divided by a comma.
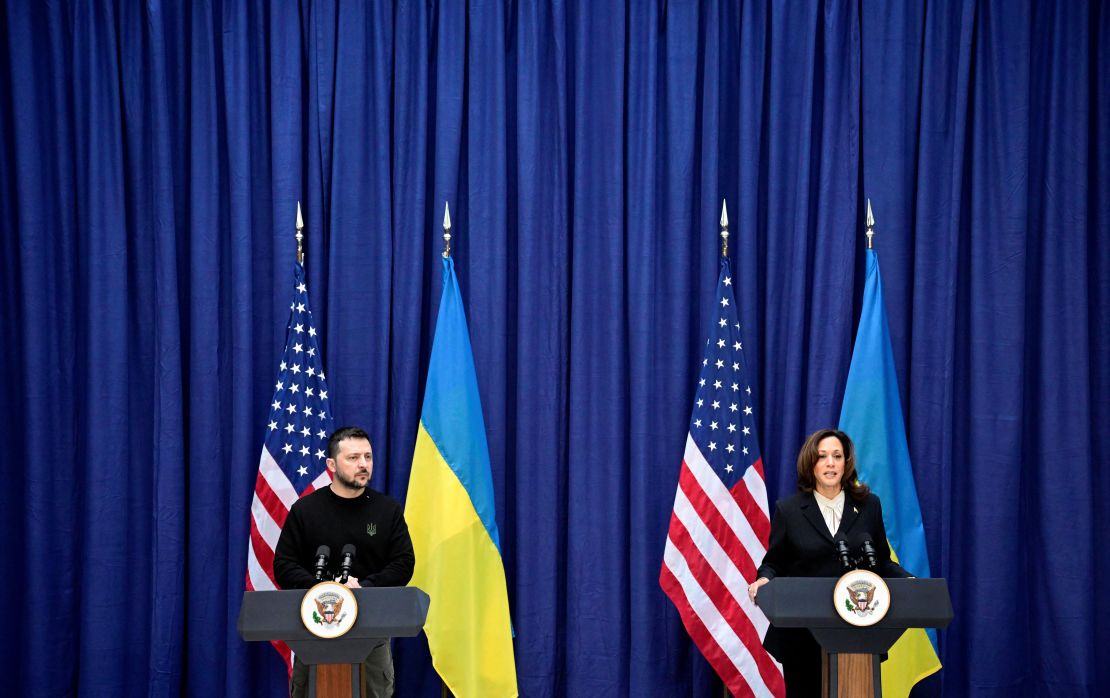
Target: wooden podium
{"x": 850, "y": 656}
{"x": 334, "y": 664}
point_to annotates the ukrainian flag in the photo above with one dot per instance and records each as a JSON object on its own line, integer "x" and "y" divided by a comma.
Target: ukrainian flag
{"x": 872, "y": 416}
{"x": 450, "y": 513}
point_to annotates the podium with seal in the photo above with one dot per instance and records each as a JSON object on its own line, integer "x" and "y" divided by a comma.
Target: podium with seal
{"x": 332, "y": 628}
{"x": 855, "y": 618}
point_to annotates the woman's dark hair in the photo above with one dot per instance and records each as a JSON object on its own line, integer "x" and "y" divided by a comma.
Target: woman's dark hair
{"x": 808, "y": 456}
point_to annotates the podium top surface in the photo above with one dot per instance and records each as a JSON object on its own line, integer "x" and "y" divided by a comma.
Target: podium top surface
{"x": 382, "y": 612}
{"x": 807, "y": 602}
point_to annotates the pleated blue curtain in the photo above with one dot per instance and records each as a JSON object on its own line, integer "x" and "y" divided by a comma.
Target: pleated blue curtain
{"x": 986, "y": 144}
{"x": 151, "y": 156}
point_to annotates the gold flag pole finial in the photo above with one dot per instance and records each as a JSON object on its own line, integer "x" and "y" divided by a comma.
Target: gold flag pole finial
{"x": 446, "y": 230}
{"x": 724, "y": 228}
{"x": 300, "y": 235}
{"x": 870, "y": 224}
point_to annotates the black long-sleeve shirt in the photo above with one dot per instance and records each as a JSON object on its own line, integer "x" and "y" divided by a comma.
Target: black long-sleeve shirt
{"x": 373, "y": 522}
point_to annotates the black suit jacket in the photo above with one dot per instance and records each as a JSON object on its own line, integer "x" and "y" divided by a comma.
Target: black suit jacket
{"x": 801, "y": 546}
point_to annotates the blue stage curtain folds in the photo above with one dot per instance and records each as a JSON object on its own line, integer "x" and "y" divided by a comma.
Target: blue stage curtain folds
{"x": 151, "y": 158}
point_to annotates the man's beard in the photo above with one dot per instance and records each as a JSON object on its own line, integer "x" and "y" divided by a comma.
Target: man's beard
{"x": 351, "y": 482}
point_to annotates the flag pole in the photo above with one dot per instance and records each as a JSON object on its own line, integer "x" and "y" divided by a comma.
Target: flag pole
{"x": 443, "y": 692}
{"x": 300, "y": 236}
{"x": 724, "y": 253}
{"x": 870, "y": 224}
{"x": 724, "y": 228}
{"x": 446, "y": 230}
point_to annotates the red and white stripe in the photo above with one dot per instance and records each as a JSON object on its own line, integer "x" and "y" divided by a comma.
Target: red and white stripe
{"x": 273, "y": 497}
{"x": 716, "y": 541}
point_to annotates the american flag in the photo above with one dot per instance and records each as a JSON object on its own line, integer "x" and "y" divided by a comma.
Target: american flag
{"x": 720, "y": 523}
{"x": 295, "y": 447}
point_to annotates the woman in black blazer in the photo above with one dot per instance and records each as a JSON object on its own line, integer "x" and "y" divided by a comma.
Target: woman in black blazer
{"x": 830, "y": 504}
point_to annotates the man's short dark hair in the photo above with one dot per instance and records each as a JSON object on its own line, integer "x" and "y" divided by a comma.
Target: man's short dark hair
{"x": 342, "y": 434}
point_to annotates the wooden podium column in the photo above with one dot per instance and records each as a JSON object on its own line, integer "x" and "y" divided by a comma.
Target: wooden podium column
{"x": 334, "y": 681}
{"x": 846, "y": 675}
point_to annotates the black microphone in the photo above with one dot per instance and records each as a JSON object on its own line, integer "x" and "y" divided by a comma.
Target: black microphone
{"x": 322, "y": 555}
{"x": 868, "y": 552}
{"x": 842, "y": 554}
{"x": 345, "y": 562}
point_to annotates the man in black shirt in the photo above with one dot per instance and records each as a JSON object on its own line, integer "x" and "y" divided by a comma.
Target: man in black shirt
{"x": 347, "y": 512}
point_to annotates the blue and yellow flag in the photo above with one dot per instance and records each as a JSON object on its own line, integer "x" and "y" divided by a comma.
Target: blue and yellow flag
{"x": 872, "y": 416}
{"x": 450, "y": 513}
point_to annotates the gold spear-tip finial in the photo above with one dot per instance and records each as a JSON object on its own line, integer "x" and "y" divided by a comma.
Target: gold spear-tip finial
{"x": 724, "y": 228}
{"x": 300, "y": 235}
{"x": 870, "y": 224}
{"x": 446, "y": 230}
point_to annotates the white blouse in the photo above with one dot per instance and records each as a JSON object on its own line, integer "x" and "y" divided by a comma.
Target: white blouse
{"x": 831, "y": 509}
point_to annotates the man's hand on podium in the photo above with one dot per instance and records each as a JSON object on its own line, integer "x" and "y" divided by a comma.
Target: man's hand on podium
{"x": 352, "y": 583}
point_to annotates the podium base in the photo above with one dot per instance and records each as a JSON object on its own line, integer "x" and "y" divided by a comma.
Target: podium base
{"x": 335, "y": 681}
{"x": 845, "y": 675}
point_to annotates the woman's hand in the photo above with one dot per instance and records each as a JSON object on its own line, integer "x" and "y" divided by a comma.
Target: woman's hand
{"x": 753, "y": 588}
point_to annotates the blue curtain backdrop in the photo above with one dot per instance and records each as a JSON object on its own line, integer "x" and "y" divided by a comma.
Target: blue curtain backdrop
{"x": 151, "y": 155}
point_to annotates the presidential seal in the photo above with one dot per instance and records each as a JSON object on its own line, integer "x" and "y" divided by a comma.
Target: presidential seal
{"x": 329, "y": 610}
{"x": 861, "y": 598}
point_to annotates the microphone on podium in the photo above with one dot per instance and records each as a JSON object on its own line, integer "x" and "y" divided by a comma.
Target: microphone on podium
{"x": 348, "y": 556}
{"x": 842, "y": 554}
{"x": 868, "y": 550}
{"x": 322, "y": 555}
